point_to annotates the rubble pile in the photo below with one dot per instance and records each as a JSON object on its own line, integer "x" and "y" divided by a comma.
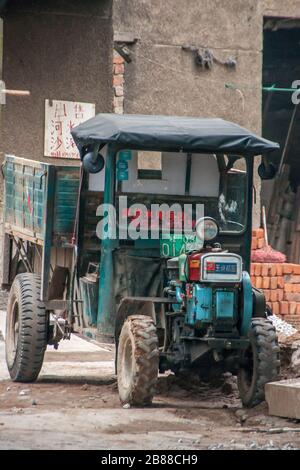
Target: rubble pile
{"x": 282, "y": 327}
{"x": 289, "y": 342}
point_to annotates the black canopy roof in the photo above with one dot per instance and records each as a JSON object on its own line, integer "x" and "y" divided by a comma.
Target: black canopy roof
{"x": 170, "y": 133}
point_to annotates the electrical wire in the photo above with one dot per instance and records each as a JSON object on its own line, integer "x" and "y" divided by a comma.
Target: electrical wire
{"x": 194, "y": 77}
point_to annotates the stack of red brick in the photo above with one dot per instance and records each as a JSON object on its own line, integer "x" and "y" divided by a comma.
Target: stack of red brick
{"x": 258, "y": 239}
{"x": 280, "y": 283}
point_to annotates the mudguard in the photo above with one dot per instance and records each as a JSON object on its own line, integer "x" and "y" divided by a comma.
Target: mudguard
{"x": 259, "y": 303}
{"x": 247, "y": 303}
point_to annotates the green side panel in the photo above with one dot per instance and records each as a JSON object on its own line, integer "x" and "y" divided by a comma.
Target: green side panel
{"x": 65, "y": 201}
{"x": 24, "y": 196}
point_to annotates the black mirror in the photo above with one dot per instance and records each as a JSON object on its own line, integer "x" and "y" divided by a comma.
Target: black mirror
{"x": 267, "y": 171}
{"x": 93, "y": 161}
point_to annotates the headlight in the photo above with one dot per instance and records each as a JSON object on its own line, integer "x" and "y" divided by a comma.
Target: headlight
{"x": 206, "y": 228}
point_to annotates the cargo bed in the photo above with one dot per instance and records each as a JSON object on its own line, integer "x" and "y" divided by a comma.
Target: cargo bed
{"x": 39, "y": 217}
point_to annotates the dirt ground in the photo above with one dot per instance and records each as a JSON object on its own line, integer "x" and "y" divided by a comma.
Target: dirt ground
{"x": 75, "y": 405}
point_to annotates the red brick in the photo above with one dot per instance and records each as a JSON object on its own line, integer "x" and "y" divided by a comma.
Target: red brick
{"x": 258, "y": 282}
{"x": 252, "y": 269}
{"x": 284, "y": 308}
{"x": 118, "y": 80}
{"x": 119, "y": 90}
{"x": 273, "y": 295}
{"x": 291, "y": 297}
{"x": 287, "y": 268}
{"x": 279, "y": 269}
{"x": 258, "y": 232}
{"x": 273, "y": 269}
{"x": 273, "y": 282}
{"x": 118, "y": 59}
{"x": 260, "y": 243}
{"x": 267, "y": 295}
{"x": 293, "y": 278}
{"x": 280, "y": 282}
{"x": 279, "y": 294}
{"x": 119, "y": 68}
{"x": 296, "y": 288}
{"x": 254, "y": 244}
{"x": 292, "y": 308}
{"x": 265, "y": 269}
{"x": 266, "y": 283}
{"x": 253, "y": 281}
{"x": 298, "y": 309}
{"x": 275, "y": 308}
{"x": 296, "y": 269}
{"x": 288, "y": 287}
{"x": 294, "y": 266}
{"x": 257, "y": 269}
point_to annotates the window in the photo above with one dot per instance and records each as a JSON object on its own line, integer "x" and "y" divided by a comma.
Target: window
{"x": 149, "y": 165}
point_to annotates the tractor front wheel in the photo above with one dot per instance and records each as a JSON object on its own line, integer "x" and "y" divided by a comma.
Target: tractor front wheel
{"x": 137, "y": 360}
{"x": 260, "y": 362}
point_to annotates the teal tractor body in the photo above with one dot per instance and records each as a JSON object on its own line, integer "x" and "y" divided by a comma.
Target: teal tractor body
{"x": 166, "y": 275}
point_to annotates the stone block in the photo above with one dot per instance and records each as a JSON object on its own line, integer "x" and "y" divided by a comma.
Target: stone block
{"x": 283, "y": 398}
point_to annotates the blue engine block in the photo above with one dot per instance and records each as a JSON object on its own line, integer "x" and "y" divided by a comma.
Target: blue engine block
{"x": 207, "y": 304}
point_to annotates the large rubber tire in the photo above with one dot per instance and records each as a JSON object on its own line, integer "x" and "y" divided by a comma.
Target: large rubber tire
{"x": 137, "y": 360}
{"x": 262, "y": 362}
{"x": 26, "y": 329}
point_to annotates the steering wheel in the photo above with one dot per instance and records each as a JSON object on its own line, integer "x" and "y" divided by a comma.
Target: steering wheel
{"x": 234, "y": 223}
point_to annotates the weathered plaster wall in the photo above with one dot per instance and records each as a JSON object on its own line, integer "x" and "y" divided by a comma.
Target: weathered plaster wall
{"x": 286, "y": 8}
{"x": 178, "y": 86}
{"x": 163, "y": 78}
{"x": 63, "y": 49}
{"x": 57, "y": 50}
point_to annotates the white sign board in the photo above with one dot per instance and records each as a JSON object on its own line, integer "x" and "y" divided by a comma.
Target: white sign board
{"x": 60, "y": 118}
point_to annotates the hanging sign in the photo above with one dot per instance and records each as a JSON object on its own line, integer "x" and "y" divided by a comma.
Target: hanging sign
{"x": 60, "y": 118}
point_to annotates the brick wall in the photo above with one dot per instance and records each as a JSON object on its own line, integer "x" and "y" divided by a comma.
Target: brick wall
{"x": 118, "y": 83}
{"x": 280, "y": 283}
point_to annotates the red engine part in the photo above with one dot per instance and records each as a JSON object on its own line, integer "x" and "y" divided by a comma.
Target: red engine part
{"x": 194, "y": 264}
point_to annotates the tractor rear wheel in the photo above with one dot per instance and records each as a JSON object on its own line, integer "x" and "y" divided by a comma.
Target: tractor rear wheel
{"x": 137, "y": 360}
{"x": 260, "y": 362}
{"x": 26, "y": 329}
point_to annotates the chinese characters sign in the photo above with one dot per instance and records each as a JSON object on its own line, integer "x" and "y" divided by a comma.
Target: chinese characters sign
{"x": 60, "y": 118}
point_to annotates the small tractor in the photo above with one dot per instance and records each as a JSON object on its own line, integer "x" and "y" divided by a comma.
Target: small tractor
{"x": 84, "y": 255}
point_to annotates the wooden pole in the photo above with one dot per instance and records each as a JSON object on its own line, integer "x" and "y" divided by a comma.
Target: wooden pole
{"x": 16, "y": 92}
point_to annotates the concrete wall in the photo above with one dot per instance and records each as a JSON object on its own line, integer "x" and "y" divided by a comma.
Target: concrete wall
{"x": 57, "y": 50}
{"x": 63, "y": 50}
{"x": 163, "y": 78}
{"x": 1, "y": 45}
{"x": 286, "y": 8}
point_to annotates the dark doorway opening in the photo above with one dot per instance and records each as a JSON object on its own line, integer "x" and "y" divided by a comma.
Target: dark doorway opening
{"x": 281, "y": 123}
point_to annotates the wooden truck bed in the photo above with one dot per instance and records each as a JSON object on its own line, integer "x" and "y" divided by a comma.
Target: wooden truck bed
{"x": 40, "y": 205}
{"x": 36, "y": 193}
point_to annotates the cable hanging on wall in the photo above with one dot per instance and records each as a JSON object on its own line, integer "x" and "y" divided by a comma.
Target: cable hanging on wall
{"x": 206, "y": 59}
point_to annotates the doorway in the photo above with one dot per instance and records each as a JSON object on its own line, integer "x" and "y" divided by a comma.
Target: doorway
{"x": 281, "y": 123}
